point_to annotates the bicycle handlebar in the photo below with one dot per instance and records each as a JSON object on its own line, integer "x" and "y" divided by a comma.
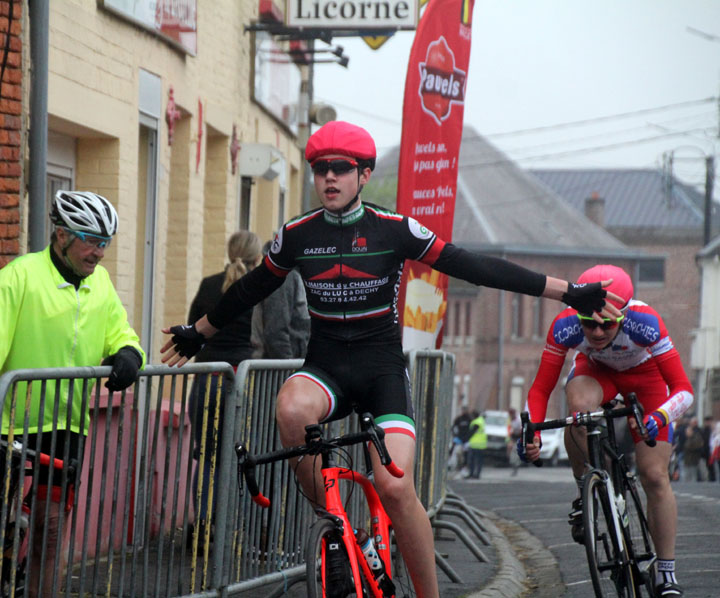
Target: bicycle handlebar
{"x": 584, "y": 418}
{"x": 314, "y": 445}
{"x": 16, "y": 449}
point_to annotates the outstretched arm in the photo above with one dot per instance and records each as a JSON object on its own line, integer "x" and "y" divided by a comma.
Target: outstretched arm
{"x": 498, "y": 273}
{"x": 242, "y": 295}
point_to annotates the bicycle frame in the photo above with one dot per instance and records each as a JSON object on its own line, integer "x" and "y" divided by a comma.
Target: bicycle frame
{"x": 379, "y": 520}
{"x": 334, "y": 510}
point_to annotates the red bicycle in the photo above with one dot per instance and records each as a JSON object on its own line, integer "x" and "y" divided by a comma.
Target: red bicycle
{"x": 15, "y": 510}
{"x": 342, "y": 560}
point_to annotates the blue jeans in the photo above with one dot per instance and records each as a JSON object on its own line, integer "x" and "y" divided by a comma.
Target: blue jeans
{"x": 476, "y": 462}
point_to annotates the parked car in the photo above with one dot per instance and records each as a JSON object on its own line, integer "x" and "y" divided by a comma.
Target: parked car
{"x": 553, "y": 449}
{"x": 496, "y": 427}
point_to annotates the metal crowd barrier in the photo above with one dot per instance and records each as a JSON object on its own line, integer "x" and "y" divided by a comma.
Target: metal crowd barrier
{"x": 138, "y": 525}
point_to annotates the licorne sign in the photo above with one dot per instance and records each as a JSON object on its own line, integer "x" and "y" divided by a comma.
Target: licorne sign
{"x": 352, "y": 14}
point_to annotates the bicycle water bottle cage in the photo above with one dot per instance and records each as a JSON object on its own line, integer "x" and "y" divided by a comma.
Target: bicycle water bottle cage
{"x": 313, "y": 433}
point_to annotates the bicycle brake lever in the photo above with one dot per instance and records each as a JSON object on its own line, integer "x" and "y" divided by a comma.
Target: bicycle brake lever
{"x": 246, "y": 469}
{"x": 638, "y": 413}
{"x": 528, "y": 434}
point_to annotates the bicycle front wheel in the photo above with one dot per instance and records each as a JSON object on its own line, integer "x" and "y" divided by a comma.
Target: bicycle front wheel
{"x": 610, "y": 568}
{"x": 327, "y": 563}
{"x": 637, "y": 536}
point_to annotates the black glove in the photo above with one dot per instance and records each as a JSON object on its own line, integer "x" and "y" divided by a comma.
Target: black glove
{"x": 586, "y": 297}
{"x": 125, "y": 365}
{"x": 188, "y": 341}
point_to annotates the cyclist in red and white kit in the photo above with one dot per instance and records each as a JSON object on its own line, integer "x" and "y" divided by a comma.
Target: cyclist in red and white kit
{"x": 351, "y": 256}
{"x": 633, "y": 353}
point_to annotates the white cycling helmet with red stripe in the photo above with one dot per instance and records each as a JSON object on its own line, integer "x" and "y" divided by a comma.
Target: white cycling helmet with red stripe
{"x": 84, "y": 211}
{"x": 621, "y": 283}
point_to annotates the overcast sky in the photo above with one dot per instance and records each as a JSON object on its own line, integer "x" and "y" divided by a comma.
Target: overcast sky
{"x": 552, "y": 63}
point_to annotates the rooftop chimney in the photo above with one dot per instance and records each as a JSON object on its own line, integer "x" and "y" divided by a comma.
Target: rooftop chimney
{"x": 595, "y": 209}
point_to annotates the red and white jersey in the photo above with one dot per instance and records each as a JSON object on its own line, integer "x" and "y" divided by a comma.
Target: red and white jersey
{"x": 642, "y": 336}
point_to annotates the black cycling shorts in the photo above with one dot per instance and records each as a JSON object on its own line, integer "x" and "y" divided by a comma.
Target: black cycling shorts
{"x": 362, "y": 378}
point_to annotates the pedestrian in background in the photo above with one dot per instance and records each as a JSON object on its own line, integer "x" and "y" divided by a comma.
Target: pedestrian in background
{"x": 461, "y": 435}
{"x": 232, "y": 344}
{"x": 714, "y": 460}
{"x": 59, "y": 308}
{"x": 693, "y": 451}
{"x": 514, "y": 434}
{"x": 281, "y": 322}
{"x": 478, "y": 444}
{"x": 707, "y": 474}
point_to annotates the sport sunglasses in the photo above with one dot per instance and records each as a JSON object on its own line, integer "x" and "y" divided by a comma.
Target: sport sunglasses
{"x": 337, "y": 165}
{"x": 89, "y": 239}
{"x": 607, "y": 323}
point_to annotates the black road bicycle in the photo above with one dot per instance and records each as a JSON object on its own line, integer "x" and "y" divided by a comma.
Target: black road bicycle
{"x": 619, "y": 549}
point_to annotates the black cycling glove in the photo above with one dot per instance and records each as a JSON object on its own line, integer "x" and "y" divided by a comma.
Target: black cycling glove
{"x": 188, "y": 341}
{"x": 586, "y": 297}
{"x": 125, "y": 366}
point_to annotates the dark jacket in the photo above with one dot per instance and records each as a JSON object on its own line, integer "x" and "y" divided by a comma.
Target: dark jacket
{"x": 231, "y": 343}
{"x": 281, "y": 323}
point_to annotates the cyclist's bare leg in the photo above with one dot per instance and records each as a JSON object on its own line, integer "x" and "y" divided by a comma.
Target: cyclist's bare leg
{"x": 584, "y": 393}
{"x": 301, "y": 403}
{"x": 408, "y": 516}
{"x": 652, "y": 466}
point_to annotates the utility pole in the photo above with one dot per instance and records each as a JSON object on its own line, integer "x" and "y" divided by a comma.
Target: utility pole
{"x": 709, "y": 180}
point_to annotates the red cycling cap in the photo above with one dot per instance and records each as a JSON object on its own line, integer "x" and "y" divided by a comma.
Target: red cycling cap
{"x": 339, "y": 137}
{"x": 621, "y": 284}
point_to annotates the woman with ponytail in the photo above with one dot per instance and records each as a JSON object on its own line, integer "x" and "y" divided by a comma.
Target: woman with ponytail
{"x": 233, "y": 345}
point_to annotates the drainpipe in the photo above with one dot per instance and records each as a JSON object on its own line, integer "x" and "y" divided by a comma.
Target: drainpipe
{"x": 501, "y": 350}
{"x": 38, "y": 138}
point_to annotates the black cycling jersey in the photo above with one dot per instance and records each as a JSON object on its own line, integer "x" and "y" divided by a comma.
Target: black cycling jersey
{"x": 352, "y": 265}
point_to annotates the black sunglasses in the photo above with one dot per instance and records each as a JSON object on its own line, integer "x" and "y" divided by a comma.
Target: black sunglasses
{"x": 337, "y": 165}
{"x": 607, "y": 324}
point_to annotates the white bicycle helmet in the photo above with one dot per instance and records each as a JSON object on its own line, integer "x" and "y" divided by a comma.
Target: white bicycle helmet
{"x": 84, "y": 211}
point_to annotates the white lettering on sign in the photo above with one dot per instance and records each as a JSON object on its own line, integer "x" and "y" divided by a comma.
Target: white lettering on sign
{"x": 355, "y": 14}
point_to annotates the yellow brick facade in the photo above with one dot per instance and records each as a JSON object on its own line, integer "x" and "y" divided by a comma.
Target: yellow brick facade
{"x": 96, "y": 64}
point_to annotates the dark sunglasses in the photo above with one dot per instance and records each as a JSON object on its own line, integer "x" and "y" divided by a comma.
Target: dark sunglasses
{"x": 337, "y": 165}
{"x": 607, "y": 323}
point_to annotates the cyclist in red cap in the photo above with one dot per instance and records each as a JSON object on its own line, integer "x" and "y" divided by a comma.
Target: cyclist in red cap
{"x": 632, "y": 353}
{"x": 350, "y": 255}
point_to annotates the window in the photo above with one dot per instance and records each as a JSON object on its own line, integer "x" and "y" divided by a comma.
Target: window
{"x": 516, "y": 323}
{"x": 468, "y": 322}
{"x": 281, "y": 209}
{"x": 537, "y": 318}
{"x": 245, "y": 194}
{"x": 651, "y": 271}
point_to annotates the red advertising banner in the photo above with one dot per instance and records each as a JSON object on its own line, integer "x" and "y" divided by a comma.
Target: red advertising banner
{"x": 427, "y": 175}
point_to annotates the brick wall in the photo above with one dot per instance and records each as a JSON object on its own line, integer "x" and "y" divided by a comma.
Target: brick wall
{"x": 10, "y": 128}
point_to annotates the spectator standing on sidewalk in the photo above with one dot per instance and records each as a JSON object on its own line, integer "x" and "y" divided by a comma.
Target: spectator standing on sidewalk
{"x": 232, "y": 344}
{"x": 707, "y": 474}
{"x": 714, "y": 460}
{"x": 514, "y": 434}
{"x": 478, "y": 444}
{"x": 59, "y": 308}
{"x": 281, "y": 322}
{"x": 693, "y": 451}
{"x": 461, "y": 435}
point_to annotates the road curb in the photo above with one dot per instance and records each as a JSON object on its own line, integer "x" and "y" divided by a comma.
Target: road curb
{"x": 509, "y": 579}
{"x": 525, "y": 566}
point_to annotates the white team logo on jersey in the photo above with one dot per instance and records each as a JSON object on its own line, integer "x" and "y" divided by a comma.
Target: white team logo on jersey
{"x": 418, "y": 229}
{"x": 277, "y": 242}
